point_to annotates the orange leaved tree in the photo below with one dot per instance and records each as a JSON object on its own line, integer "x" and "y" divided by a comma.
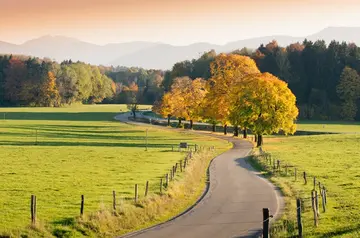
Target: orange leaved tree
{"x": 264, "y": 104}
{"x": 227, "y": 70}
{"x": 184, "y": 100}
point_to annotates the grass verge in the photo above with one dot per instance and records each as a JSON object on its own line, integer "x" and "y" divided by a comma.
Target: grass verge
{"x": 332, "y": 159}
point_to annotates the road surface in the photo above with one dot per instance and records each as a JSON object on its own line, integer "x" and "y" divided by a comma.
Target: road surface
{"x": 232, "y": 206}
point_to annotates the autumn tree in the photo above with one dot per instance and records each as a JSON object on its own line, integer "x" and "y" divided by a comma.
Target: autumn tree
{"x": 165, "y": 107}
{"x": 184, "y": 101}
{"x": 226, "y": 70}
{"x": 265, "y": 104}
{"x": 348, "y": 91}
{"x": 49, "y": 92}
{"x": 187, "y": 96}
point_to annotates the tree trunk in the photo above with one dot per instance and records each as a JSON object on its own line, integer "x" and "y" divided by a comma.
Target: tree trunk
{"x": 255, "y": 138}
{"x": 179, "y": 125}
{"x": 259, "y": 140}
{"x": 134, "y": 113}
{"x": 214, "y": 127}
{"x": 225, "y": 129}
{"x": 168, "y": 120}
{"x": 236, "y": 131}
{"x": 245, "y": 133}
{"x": 191, "y": 124}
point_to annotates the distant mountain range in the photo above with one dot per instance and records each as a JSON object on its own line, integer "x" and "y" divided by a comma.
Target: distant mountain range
{"x": 154, "y": 55}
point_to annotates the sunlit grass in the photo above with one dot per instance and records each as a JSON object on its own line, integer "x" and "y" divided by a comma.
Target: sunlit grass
{"x": 334, "y": 160}
{"x": 58, "y": 154}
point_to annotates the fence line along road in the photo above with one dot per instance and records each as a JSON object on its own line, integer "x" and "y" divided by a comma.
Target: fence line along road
{"x": 234, "y": 202}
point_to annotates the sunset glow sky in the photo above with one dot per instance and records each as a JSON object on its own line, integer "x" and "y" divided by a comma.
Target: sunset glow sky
{"x": 176, "y": 22}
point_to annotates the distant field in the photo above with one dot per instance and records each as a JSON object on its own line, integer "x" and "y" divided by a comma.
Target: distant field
{"x": 319, "y": 126}
{"x": 326, "y": 126}
{"x": 334, "y": 160}
{"x": 80, "y": 150}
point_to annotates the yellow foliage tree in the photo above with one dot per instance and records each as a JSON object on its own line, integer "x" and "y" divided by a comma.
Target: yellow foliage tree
{"x": 184, "y": 100}
{"x": 50, "y": 94}
{"x": 264, "y": 104}
{"x": 227, "y": 70}
{"x": 165, "y": 107}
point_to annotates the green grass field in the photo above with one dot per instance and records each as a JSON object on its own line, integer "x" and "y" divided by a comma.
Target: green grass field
{"x": 324, "y": 126}
{"x": 79, "y": 150}
{"x": 334, "y": 160}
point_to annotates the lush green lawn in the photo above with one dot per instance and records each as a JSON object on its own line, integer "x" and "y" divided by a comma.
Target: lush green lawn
{"x": 79, "y": 150}
{"x": 334, "y": 160}
{"x": 325, "y": 126}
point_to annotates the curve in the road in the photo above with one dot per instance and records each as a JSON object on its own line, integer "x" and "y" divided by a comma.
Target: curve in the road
{"x": 232, "y": 206}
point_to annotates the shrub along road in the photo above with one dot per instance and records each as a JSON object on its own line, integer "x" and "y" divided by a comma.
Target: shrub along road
{"x": 232, "y": 206}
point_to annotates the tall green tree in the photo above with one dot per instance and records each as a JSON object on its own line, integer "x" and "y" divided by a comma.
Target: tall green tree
{"x": 348, "y": 90}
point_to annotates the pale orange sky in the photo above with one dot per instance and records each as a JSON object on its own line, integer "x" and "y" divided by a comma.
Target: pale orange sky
{"x": 176, "y": 22}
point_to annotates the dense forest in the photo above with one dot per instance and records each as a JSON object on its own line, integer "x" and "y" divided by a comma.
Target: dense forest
{"x": 324, "y": 78}
{"x": 26, "y": 81}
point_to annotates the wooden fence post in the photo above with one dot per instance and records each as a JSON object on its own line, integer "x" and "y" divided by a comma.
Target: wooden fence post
{"x": 146, "y": 188}
{"x": 33, "y": 210}
{"x": 167, "y": 180}
{"x": 114, "y": 202}
{"x": 82, "y": 206}
{"x": 317, "y": 203}
{"x": 181, "y": 166}
{"x": 161, "y": 186}
{"x": 314, "y": 183}
{"x": 299, "y": 222}
{"x": 323, "y": 200}
{"x": 325, "y": 196}
{"x": 305, "y": 180}
{"x": 316, "y": 223}
{"x": 136, "y": 193}
{"x": 266, "y": 217}
{"x": 274, "y": 166}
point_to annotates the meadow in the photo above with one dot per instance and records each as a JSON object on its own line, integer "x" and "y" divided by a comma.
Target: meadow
{"x": 59, "y": 154}
{"x": 334, "y": 161}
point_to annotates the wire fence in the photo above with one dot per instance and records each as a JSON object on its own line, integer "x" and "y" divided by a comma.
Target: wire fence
{"x": 37, "y": 208}
{"x": 307, "y": 204}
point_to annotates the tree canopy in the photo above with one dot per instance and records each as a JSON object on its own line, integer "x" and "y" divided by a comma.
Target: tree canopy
{"x": 237, "y": 93}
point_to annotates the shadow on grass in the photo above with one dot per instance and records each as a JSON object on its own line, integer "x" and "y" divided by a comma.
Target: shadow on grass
{"x": 340, "y": 232}
{"x": 78, "y": 143}
{"x": 62, "y": 116}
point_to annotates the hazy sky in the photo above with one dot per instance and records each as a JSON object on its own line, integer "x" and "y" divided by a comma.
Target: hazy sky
{"x": 176, "y": 22}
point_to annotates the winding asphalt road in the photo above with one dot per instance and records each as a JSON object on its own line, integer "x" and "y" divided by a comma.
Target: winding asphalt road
{"x": 232, "y": 206}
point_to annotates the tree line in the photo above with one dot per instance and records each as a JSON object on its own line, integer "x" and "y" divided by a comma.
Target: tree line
{"x": 236, "y": 93}
{"x": 27, "y": 81}
{"x": 136, "y": 85}
{"x": 319, "y": 75}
